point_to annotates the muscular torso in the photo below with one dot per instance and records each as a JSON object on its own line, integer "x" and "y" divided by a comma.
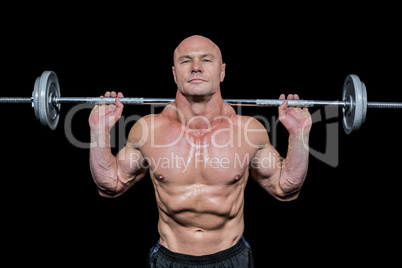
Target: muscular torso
{"x": 199, "y": 176}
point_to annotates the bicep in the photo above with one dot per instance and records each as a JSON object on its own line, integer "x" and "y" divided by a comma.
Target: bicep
{"x": 132, "y": 165}
{"x": 266, "y": 164}
{"x": 265, "y": 167}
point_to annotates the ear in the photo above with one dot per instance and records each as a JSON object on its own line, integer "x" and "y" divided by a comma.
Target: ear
{"x": 223, "y": 67}
{"x": 174, "y": 74}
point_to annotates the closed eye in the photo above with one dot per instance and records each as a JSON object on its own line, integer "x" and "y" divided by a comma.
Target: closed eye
{"x": 185, "y": 59}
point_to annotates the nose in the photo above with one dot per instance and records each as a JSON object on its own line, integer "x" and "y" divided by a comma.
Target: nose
{"x": 196, "y": 67}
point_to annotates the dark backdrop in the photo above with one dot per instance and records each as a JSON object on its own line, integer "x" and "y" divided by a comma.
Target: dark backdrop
{"x": 51, "y": 211}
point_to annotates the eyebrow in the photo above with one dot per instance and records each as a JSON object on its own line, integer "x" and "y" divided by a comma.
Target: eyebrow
{"x": 190, "y": 56}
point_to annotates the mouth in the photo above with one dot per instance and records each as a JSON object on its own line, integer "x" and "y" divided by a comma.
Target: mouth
{"x": 196, "y": 80}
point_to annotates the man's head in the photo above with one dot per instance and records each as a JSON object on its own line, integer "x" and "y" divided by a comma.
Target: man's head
{"x": 198, "y": 68}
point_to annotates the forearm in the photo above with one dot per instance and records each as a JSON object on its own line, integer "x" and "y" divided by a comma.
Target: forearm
{"x": 295, "y": 165}
{"x": 103, "y": 163}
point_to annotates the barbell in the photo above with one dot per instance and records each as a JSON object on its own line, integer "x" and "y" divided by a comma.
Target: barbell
{"x": 46, "y": 101}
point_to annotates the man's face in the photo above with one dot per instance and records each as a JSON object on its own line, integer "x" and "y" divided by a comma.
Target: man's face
{"x": 198, "y": 68}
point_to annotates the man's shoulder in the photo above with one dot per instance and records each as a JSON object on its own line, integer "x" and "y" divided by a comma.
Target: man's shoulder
{"x": 249, "y": 122}
{"x": 140, "y": 131}
{"x": 254, "y": 131}
{"x": 150, "y": 121}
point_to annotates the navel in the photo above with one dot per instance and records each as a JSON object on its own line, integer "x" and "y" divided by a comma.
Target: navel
{"x": 199, "y": 231}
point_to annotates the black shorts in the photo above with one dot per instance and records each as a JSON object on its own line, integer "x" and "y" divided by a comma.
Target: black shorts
{"x": 237, "y": 256}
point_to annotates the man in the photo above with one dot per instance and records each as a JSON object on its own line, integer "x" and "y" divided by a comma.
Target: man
{"x": 199, "y": 152}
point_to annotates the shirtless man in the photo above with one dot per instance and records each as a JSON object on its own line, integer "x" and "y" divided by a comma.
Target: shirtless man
{"x": 199, "y": 154}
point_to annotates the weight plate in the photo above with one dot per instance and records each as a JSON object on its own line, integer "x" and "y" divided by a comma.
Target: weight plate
{"x": 45, "y": 89}
{"x": 35, "y": 98}
{"x": 354, "y": 93}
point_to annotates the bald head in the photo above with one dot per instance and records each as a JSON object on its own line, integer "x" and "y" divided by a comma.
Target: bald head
{"x": 198, "y": 68}
{"x": 197, "y": 43}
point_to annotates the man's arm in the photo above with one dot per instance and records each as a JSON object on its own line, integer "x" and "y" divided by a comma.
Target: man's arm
{"x": 113, "y": 175}
{"x": 283, "y": 178}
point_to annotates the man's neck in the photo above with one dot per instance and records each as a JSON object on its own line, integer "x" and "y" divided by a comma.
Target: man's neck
{"x": 201, "y": 112}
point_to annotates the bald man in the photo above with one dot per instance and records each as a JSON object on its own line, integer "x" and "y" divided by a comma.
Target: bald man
{"x": 199, "y": 154}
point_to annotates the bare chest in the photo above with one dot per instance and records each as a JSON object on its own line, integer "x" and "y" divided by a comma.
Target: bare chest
{"x": 216, "y": 156}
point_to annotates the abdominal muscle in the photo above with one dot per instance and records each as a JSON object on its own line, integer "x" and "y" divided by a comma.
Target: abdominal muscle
{"x": 200, "y": 219}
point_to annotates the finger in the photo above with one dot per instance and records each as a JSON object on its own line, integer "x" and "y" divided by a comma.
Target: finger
{"x": 290, "y": 97}
{"x": 283, "y": 107}
{"x": 107, "y": 94}
{"x": 284, "y": 104}
{"x": 97, "y": 105}
{"x": 296, "y": 97}
{"x": 118, "y": 102}
{"x": 113, "y": 94}
{"x": 305, "y": 109}
{"x": 110, "y": 108}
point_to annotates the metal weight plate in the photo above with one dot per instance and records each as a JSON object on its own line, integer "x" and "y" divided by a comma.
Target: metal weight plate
{"x": 35, "y": 98}
{"x": 45, "y": 89}
{"x": 355, "y": 94}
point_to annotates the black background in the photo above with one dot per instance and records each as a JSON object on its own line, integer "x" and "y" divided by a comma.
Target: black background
{"x": 51, "y": 212}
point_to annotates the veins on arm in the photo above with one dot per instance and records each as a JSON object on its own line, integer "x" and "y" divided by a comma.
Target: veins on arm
{"x": 280, "y": 177}
{"x": 120, "y": 173}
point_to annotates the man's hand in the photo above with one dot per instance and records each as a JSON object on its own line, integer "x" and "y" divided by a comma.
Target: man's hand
{"x": 294, "y": 119}
{"x": 104, "y": 117}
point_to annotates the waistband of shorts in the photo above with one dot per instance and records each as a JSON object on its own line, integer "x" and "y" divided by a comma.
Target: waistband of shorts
{"x": 204, "y": 259}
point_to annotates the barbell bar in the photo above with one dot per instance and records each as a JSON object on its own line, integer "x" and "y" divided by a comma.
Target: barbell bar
{"x": 46, "y": 101}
